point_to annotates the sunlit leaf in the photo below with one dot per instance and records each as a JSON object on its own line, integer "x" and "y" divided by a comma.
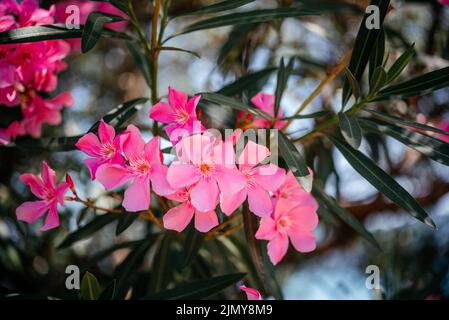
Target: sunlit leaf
{"x": 350, "y": 129}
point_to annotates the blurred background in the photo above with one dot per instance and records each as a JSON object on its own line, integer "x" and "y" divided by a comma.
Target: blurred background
{"x": 414, "y": 262}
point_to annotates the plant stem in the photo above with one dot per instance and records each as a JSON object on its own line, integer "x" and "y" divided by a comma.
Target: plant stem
{"x": 89, "y": 204}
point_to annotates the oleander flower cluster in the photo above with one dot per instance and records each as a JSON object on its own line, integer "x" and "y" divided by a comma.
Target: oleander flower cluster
{"x": 28, "y": 73}
{"x": 208, "y": 176}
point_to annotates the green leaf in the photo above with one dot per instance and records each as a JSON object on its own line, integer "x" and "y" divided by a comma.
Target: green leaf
{"x": 382, "y": 181}
{"x": 295, "y": 162}
{"x": 350, "y": 78}
{"x": 255, "y": 16}
{"x": 129, "y": 266}
{"x": 198, "y": 289}
{"x": 376, "y": 58}
{"x": 193, "y": 243}
{"x": 234, "y": 38}
{"x": 332, "y": 205}
{"x": 50, "y": 32}
{"x": 234, "y": 104}
{"x": 246, "y": 82}
{"x": 88, "y": 230}
{"x": 378, "y": 80}
{"x": 329, "y": 6}
{"x": 125, "y": 221}
{"x": 119, "y": 4}
{"x": 109, "y": 292}
{"x": 350, "y": 129}
{"x": 433, "y": 148}
{"x": 90, "y": 288}
{"x": 160, "y": 272}
{"x": 417, "y": 86}
{"x": 94, "y": 27}
{"x": 396, "y": 120}
{"x": 400, "y": 64}
{"x": 217, "y": 7}
{"x": 141, "y": 60}
{"x": 317, "y": 114}
{"x": 282, "y": 79}
{"x": 363, "y": 47}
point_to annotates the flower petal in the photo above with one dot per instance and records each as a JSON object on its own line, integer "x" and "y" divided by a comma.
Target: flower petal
{"x": 93, "y": 164}
{"x": 152, "y": 151}
{"x": 137, "y": 196}
{"x": 159, "y": 181}
{"x": 111, "y": 175}
{"x": 30, "y": 211}
{"x": 106, "y": 132}
{"x": 162, "y": 112}
{"x": 229, "y": 203}
{"x": 251, "y": 293}
{"x": 52, "y": 220}
{"x": 253, "y": 154}
{"x": 48, "y": 175}
{"x": 133, "y": 144}
{"x": 204, "y": 221}
{"x": 277, "y": 247}
{"x": 303, "y": 240}
{"x": 267, "y": 229}
{"x": 270, "y": 176}
{"x": 178, "y": 218}
{"x": 180, "y": 175}
{"x": 89, "y": 144}
{"x": 176, "y": 99}
{"x": 230, "y": 180}
{"x": 35, "y": 183}
{"x": 204, "y": 195}
{"x": 259, "y": 202}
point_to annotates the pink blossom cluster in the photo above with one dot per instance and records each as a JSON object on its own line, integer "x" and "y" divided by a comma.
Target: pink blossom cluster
{"x": 28, "y": 72}
{"x": 206, "y": 174}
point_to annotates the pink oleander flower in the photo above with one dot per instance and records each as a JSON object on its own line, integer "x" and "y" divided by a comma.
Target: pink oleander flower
{"x": 444, "y": 2}
{"x": 106, "y": 150}
{"x": 28, "y": 69}
{"x": 264, "y": 102}
{"x": 251, "y": 293}
{"x": 294, "y": 218}
{"x": 144, "y": 164}
{"x": 259, "y": 181}
{"x": 179, "y": 115}
{"x": 179, "y": 217}
{"x": 292, "y": 191}
{"x": 443, "y": 125}
{"x": 85, "y": 8}
{"x": 208, "y": 165}
{"x": 44, "y": 187}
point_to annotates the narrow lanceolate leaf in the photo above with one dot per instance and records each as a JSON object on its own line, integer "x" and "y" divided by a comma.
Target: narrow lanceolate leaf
{"x": 94, "y": 27}
{"x": 382, "y": 181}
{"x": 121, "y": 113}
{"x": 317, "y": 114}
{"x": 50, "y": 32}
{"x": 193, "y": 243}
{"x": 417, "y": 86}
{"x": 109, "y": 292}
{"x": 160, "y": 272}
{"x": 125, "y": 221}
{"x": 255, "y": 16}
{"x": 400, "y": 64}
{"x": 350, "y": 129}
{"x": 247, "y": 82}
{"x": 411, "y": 124}
{"x": 87, "y": 230}
{"x": 90, "y": 288}
{"x": 363, "y": 46}
{"x": 282, "y": 79}
{"x": 355, "y": 88}
{"x": 198, "y": 289}
{"x": 376, "y": 58}
{"x": 141, "y": 60}
{"x": 295, "y": 162}
{"x": 119, "y": 4}
{"x": 433, "y": 148}
{"x": 332, "y": 205}
{"x": 234, "y": 104}
{"x": 377, "y": 81}
{"x": 234, "y": 39}
{"x": 217, "y": 7}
